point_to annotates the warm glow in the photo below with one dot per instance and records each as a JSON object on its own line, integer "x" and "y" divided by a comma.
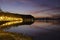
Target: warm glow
{"x": 11, "y": 23}
{"x": 5, "y": 18}
{"x": 12, "y": 36}
{"x": 11, "y": 20}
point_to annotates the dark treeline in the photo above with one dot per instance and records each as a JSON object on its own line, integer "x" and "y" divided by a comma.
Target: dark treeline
{"x": 54, "y": 17}
{"x": 47, "y": 18}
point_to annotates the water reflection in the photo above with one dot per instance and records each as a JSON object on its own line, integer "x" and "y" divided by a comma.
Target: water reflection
{"x": 38, "y": 29}
{"x": 12, "y": 36}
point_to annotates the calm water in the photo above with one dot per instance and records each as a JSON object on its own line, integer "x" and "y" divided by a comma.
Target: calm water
{"x": 39, "y": 30}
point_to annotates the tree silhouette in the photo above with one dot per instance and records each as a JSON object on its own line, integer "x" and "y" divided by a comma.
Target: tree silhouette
{"x": 1, "y": 10}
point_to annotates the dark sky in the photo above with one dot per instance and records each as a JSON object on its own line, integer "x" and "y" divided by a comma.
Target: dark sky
{"x": 35, "y": 7}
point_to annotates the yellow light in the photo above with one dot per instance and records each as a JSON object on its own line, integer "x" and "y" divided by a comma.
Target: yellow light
{"x": 5, "y": 18}
{"x": 13, "y": 36}
{"x": 10, "y": 21}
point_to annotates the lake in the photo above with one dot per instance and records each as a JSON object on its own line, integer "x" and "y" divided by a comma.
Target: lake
{"x": 39, "y": 30}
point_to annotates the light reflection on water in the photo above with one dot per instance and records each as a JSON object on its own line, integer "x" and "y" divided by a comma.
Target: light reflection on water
{"x": 36, "y": 28}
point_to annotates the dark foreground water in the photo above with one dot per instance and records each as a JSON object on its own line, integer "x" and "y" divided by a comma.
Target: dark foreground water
{"x": 39, "y": 30}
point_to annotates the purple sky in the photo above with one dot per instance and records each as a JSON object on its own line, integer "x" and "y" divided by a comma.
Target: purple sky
{"x": 35, "y": 7}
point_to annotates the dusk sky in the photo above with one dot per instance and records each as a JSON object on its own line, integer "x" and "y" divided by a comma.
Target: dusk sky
{"x": 36, "y": 8}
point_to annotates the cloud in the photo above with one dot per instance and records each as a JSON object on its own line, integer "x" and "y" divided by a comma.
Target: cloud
{"x": 49, "y": 9}
{"x": 39, "y": 6}
{"x": 36, "y": 3}
{"x": 16, "y": 0}
{"x": 55, "y": 8}
{"x": 46, "y": 12}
